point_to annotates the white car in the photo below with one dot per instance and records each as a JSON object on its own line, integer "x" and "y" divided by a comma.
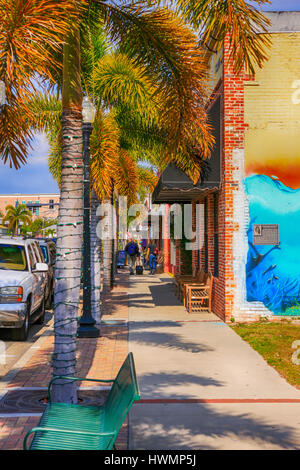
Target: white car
{"x": 23, "y": 282}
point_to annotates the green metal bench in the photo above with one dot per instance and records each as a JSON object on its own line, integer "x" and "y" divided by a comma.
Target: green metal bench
{"x": 77, "y": 427}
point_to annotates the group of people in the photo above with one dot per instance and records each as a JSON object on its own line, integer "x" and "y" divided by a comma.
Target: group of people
{"x": 142, "y": 252}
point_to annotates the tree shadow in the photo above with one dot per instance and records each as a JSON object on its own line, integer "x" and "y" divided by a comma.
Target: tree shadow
{"x": 154, "y": 384}
{"x": 185, "y": 427}
{"x": 163, "y": 295}
{"x": 142, "y": 333}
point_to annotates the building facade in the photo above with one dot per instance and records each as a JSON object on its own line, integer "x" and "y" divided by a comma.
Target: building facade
{"x": 41, "y": 205}
{"x": 249, "y": 224}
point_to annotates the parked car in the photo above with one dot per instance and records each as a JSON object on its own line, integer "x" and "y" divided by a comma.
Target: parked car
{"x": 23, "y": 283}
{"x": 48, "y": 248}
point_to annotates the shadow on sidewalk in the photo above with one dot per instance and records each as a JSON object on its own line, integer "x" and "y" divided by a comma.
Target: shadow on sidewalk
{"x": 142, "y": 333}
{"x": 178, "y": 426}
{"x": 157, "y": 383}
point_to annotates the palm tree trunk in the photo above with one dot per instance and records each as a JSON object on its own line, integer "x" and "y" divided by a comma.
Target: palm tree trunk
{"x": 113, "y": 248}
{"x": 117, "y": 235}
{"x": 107, "y": 248}
{"x": 69, "y": 227}
{"x": 95, "y": 261}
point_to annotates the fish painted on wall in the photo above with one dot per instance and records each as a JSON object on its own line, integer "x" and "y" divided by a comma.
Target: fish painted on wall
{"x": 273, "y": 272}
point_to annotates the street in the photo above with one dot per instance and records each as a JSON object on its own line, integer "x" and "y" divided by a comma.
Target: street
{"x": 12, "y": 351}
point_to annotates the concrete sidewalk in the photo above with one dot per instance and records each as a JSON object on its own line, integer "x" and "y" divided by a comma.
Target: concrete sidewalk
{"x": 202, "y": 386}
{"x": 23, "y": 388}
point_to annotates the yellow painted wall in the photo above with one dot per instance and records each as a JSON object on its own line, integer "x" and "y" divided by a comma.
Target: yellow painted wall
{"x": 272, "y": 111}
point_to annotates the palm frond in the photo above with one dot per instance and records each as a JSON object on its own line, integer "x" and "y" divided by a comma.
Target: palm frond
{"x": 15, "y": 134}
{"x": 138, "y": 132}
{"x": 188, "y": 161}
{"x": 147, "y": 179}
{"x": 119, "y": 81}
{"x": 159, "y": 40}
{"x": 30, "y": 30}
{"x": 94, "y": 46}
{"x": 240, "y": 21}
{"x": 104, "y": 153}
{"x": 46, "y": 109}
{"x": 126, "y": 179}
{"x": 54, "y": 136}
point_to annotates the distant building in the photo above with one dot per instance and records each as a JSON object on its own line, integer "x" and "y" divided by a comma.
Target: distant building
{"x": 41, "y": 205}
{"x": 3, "y": 230}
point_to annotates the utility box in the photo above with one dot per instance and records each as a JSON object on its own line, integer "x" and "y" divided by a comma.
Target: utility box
{"x": 265, "y": 234}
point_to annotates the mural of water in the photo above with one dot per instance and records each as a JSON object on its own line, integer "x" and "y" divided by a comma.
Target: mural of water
{"x": 273, "y": 272}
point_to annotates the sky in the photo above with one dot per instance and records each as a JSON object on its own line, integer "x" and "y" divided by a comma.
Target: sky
{"x": 287, "y": 5}
{"x": 31, "y": 178}
{"x": 34, "y": 177}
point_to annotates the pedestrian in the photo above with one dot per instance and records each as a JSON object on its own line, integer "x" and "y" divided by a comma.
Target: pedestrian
{"x": 141, "y": 253}
{"x": 152, "y": 253}
{"x": 132, "y": 251}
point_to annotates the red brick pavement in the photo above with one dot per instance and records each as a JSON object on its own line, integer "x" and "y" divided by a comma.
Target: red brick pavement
{"x": 96, "y": 358}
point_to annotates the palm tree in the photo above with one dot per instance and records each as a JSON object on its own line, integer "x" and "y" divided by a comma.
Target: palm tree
{"x": 15, "y": 215}
{"x": 50, "y": 232}
{"x": 30, "y": 32}
{"x": 237, "y": 20}
{"x": 159, "y": 40}
{"x": 119, "y": 137}
{"x": 38, "y": 226}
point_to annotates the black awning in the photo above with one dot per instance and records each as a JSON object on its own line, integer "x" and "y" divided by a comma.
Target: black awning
{"x": 210, "y": 177}
{"x": 174, "y": 186}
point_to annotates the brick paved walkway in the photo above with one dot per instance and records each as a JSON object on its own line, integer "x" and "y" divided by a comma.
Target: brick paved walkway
{"x": 96, "y": 357}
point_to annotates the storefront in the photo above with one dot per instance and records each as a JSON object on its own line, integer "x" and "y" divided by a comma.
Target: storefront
{"x": 247, "y": 200}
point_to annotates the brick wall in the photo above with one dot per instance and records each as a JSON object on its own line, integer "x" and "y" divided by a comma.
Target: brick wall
{"x": 166, "y": 240}
{"x": 247, "y": 110}
{"x": 232, "y": 143}
{"x": 233, "y": 140}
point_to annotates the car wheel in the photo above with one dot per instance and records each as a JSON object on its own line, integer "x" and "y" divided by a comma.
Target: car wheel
{"x": 21, "y": 334}
{"x": 41, "y": 318}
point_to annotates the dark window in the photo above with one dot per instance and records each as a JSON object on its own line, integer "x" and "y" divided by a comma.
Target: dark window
{"x": 45, "y": 253}
{"x": 51, "y": 204}
{"x": 216, "y": 235}
{"x": 12, "y": 257}
{"x": 199, "y": 226}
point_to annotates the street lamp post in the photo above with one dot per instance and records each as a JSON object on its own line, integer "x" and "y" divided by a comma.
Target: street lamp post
{"x": 87, "y": 328}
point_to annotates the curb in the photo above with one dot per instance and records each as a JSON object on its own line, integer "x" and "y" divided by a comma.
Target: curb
{"x": 18, "y": 366}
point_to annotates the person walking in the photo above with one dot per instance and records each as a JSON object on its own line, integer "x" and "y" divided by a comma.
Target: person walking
{"x": 132, "y": 251}
{"x": 152, "y": 253}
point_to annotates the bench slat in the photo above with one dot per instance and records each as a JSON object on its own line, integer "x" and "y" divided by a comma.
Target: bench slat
{"x": 70, "y": 426}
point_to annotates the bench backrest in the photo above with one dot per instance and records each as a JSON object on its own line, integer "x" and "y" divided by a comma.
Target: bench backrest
{"x": 122, "y": 395}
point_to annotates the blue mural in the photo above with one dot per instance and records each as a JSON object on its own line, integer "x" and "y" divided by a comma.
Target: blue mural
{"x": 273, "y": 272}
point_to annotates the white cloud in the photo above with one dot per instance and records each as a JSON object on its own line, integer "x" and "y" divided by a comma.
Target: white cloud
{"x": 40, "y": 150}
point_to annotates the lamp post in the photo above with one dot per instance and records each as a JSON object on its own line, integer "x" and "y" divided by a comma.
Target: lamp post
{"x": 87, "y": 328}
